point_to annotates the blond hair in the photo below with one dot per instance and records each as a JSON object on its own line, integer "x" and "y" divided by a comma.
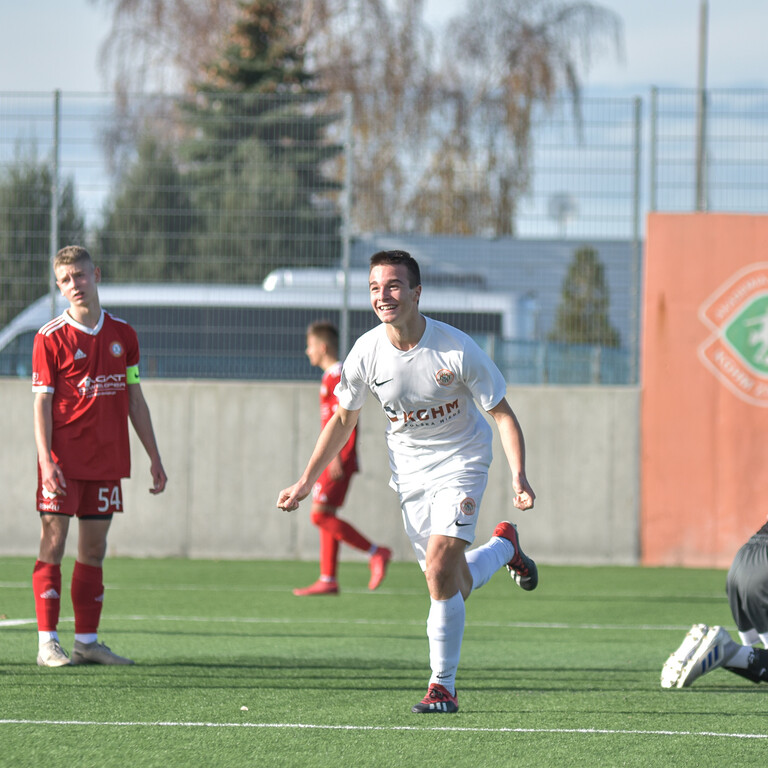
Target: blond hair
{"x": 71, "y": 254}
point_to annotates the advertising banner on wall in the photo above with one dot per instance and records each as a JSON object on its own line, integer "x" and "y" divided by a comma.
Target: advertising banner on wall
{"x": 704, "y": 422}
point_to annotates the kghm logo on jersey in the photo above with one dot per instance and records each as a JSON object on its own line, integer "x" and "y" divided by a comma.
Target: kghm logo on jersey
{"x": 116, "y": 348}
{"x": 445, "y": 377}
{"x": 737, "y": 350}
{"x": 435, "y": 414}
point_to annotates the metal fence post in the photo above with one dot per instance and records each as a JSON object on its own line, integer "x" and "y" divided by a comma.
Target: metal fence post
{"x": 346, "y": 236}
{"x": 54, "y": 233}
{"x": 701, "y": 113}
{"x": 595, "y": 358}
{"x": 634, "y": 352}
{"x": 653, "y": 150}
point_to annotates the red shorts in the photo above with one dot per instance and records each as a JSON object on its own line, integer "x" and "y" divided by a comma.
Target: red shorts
{"x": 331, "y": 492}
{"x": 96, "y": 499}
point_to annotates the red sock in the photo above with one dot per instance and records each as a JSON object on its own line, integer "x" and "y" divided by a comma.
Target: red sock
{"x": 87, "y": 598}
{"x": 329, "y": 554}
{"x": 341, "y": 531}
{"x": 46, "y": 583}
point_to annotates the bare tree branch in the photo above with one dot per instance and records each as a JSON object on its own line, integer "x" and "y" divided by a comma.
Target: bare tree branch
{"x": 442, "y": 126}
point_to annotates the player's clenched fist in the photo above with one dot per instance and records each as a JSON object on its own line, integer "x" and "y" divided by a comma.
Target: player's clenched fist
{"x": 524, "y": 495}
{"x": 289, "y": 498}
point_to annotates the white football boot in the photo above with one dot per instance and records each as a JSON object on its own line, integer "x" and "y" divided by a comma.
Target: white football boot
{"x": 673, "y": 667}
{"x": 711, "y": 653}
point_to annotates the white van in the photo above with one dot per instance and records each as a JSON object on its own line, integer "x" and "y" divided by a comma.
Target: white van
{"x": 253, "y": 332}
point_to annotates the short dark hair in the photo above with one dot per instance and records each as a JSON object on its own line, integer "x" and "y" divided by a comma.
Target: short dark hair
{"x": 399, "y": 257}
{"x": 327, "y": 332}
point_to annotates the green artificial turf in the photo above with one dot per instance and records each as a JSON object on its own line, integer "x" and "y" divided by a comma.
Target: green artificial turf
{"x": 565, "y": 676}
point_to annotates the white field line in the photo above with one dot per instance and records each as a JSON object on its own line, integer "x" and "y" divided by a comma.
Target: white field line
{"x": 390, "y": 728}
{"x": 250, "y": 589}
{"x": 367, "y": 622}
{"x": 597, "y": 596}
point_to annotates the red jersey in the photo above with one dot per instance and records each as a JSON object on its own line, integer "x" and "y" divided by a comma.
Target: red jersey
{"x": 328, "y": 405}
{"x": 86, "y": 371}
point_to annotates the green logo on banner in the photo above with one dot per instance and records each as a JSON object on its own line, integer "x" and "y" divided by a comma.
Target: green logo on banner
{"x": 736, "y": 350}
{"x": 747, "y": 333}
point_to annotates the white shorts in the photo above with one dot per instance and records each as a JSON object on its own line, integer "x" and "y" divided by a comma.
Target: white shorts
{"x": 449, "y": 507}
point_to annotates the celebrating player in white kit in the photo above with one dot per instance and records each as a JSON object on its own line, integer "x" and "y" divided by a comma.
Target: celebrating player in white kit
{"x": 427, "y": 376}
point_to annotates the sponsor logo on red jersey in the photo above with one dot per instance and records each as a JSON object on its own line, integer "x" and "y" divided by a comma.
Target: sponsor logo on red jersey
{"x": 109, "y": 384}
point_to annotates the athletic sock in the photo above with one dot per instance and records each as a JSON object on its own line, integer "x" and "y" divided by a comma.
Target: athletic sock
{"x": 350, "y": 535}
{"x": 485, "y": 560}
{"x": 46, "y": 583}
{"x": 749, "y": 637}
{"x": 445, "y": 631}
{"x": 342, "y": 531}
{"x": 740, "y": 658}
{"x": 329, "y": 555}
{"x": 87, "y": 598}
{"x": 756, "y": 669}
{"x": 730, "y": 649}
{"x": 758, "y": 664}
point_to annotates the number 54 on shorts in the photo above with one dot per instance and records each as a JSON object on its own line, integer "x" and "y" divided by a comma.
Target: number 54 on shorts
{"x": 84, "y": 498}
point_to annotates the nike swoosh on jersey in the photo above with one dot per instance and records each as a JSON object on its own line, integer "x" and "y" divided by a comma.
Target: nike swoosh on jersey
{"x": 462, "y": 524}
{"x": 381, "y": 383}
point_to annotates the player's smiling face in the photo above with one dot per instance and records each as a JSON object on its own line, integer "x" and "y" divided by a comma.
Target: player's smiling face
{"x": 392, "y": 299}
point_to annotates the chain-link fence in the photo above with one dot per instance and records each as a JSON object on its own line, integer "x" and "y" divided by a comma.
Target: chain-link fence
{"x": 225, "y": 224}
{"x": 709, "y": 151}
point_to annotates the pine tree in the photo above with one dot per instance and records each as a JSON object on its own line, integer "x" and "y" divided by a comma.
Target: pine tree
{"x": 258, "y": 154}
{"x": 582, "y": 316}
{"x": 25, "y": 224}
{"x": 149, "y": 224}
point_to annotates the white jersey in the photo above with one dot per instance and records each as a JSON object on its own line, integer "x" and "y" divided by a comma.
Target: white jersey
{"x": 428, "y": 394}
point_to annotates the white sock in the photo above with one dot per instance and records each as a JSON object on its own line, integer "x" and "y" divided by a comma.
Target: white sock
{"x": 764, "y": 638}
{"x": 487, "y": 559}
{"x": 445, "y": 630}
{"x": 86, "y": 639}
{"x": 740, "y": 659}
{"x": 750, "y": 637}
{"x": 44, "y": 637}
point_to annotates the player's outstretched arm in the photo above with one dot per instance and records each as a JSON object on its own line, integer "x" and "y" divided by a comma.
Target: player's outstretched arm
{"x": 332, "y": 439}
{"x": 138, "y": 411}
{"x": 513, "y": 443}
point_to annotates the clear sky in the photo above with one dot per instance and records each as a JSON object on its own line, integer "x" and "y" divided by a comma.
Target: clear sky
{"x": 49, "y": 44}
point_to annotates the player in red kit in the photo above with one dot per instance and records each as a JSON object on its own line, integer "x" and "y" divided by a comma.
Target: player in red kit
{"x": 331, "y": 487}
{"x": 86, "y": 382}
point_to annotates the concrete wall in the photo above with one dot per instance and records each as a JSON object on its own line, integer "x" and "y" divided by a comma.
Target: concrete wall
{"x": 230, "y": 447}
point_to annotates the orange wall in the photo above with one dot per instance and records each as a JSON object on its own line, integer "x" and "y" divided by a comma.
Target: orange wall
{"x": 704, "y": 422}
